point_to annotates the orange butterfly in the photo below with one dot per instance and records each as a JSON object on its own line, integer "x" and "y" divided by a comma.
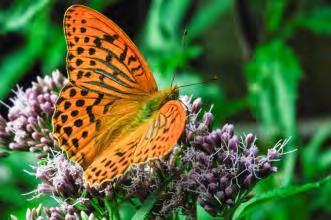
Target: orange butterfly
{"x": 110, "y": 115}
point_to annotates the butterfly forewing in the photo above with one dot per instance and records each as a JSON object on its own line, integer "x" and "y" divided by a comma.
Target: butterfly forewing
{"x": 102, "y": 58}
{"x": 77, "y": 120}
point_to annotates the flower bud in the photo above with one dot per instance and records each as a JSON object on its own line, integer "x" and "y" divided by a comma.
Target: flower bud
{"x": 206, "y": 147}
{"x": 213, "y": 187}
{"x": 216, "y": 137}
{"x": 44, "y": 140}
{"x": 47, "y": 107}
{"x": 28, "y": 214}
{"x": 273, "y": 154}
{"x": 48, "y": 211}
{"x": 196, "y": 105}
{"x": 40, "y": 98}
{"x": 70, "y": 217}
{"x": 230, "y": 202}
{"x": 233, "y": 143}
{"x": 249, "y": 181}
{"x": 228, "y": 191}
{"x": 249, "y": 140}
{"x": 45, "y": 188}
{"x": 253, "y": 150}
{"x": 224, "y": 181}
{"x": 266, "y": 169}
{"x": 220, "y": 195}
{"x": 203, "y": 158}
{"x": 53, "y": 98}
{"x": 211, "y": 178}
{"x": 230, "y": 129}
{"x": 208, "y": 118}
{"x": 225, "y": 138}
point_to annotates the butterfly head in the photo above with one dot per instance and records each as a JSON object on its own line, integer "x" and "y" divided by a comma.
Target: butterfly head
{"x": 162, "y": 97}
{"x": 172, "y": 93}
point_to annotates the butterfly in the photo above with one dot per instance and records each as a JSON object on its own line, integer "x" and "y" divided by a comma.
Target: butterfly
{"x": 110, "y": 115}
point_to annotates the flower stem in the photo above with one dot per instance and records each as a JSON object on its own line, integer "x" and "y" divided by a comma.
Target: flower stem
{"x": 108, "y": 207}
{"x": 116, "y": 210}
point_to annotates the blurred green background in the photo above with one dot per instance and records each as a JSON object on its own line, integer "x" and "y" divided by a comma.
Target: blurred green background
{"x": 272, "y": 58}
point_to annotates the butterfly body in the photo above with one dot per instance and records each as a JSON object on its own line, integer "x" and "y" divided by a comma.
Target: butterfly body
{"x": 156, "y": 101}
{"x": 110, "y": 115}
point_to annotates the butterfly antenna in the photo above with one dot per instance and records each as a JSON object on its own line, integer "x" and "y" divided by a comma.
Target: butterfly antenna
{"x": 198, "y": 83}
{"x": 182, "y": 49}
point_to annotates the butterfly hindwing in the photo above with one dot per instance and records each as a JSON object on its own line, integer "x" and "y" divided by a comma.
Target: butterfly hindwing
{"x": 162, "y": 134}
{"x": 151, "y": 140}
{"x": 115, "y": 161}
{"x": 102, "y": 58}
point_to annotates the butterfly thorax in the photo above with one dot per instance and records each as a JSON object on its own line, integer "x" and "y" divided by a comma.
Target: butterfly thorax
{"x": 154, "y": 103}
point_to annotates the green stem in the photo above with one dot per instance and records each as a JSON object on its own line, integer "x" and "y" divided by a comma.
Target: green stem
{"x": 116, "y": 213}
{"x": 240, "y": 199}
{"x": 108, "y": 207}
{"x": 95, "y": 205}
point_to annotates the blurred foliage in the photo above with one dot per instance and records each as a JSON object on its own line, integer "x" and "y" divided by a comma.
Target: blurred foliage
{"x": 17, "y": 185}
{"x": 272, "y": 68}
{"x": 276, "y": 194}
{"x": 273, "y": 77}
{"x": 169, "y": 51}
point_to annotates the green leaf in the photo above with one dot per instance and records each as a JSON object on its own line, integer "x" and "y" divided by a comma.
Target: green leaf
{"x": 161, "y": 30}
{"x": 275, "y": 194}
{"x": 273, "y": 77}
{"x": 55, "y": 54}
{"x": 308, "y": 156}
{"x": 16, "y": 64}
{"x": 274, "y": 14}
{"x": 146, "y": 207}
{"x": 206, "y": 15}
{"x": 126, "y": 210}
{"x": 99, "y": 5}
{"x": 203, "y": 215}
{"x": 84, "y": 216}
{"x": 317, "y": 20}
{"x": 324, "y": 161}
{"x": 20, "y": 14}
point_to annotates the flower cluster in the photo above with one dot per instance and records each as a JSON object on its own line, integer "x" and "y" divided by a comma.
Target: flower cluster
{"x": 29, "y": 116}
{"x": 222, "y": 168}
{"x": 59, "y": 177}
{"x": 214, "y": 168}
{"x": 56, "y": 213}
{"x": 217, "y": 168}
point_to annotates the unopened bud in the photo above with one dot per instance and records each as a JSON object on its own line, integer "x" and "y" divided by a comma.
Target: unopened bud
{"x": 250, "y": 138}
{"x": 196, "y": 105}
{"x": 208, "y": 118}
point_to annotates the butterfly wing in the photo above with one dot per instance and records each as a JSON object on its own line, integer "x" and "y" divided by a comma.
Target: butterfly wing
{"x": 77, "y": 120}
{"x": 108, "y": 81}
{"x": 102, "y": 58}
{"x": 162, "y": 133}
{"x": 105, "y": 70}
{"x": 151, "y": 140}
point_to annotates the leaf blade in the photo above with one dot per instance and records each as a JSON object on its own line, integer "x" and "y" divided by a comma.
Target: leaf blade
{"x": 279, "y": 193}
